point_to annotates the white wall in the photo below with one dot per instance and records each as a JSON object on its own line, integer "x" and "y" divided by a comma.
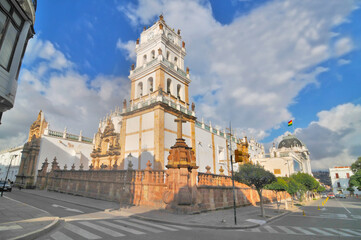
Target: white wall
{"x": 148, "y": 121}
{"x": 204, "y": 150}
{"x": 5, "y": 159}
{"x": 132, "y": 125}
{"x": 66, "y": 152}
{"x": 270, "y": 164}
{"x": 342, "y": 179}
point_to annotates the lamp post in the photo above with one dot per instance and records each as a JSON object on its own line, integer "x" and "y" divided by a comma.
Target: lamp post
{"x": 234, "y": 195}
{"x": 2, "y": 190}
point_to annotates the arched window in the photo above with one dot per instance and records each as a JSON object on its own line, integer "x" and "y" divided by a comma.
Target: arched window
{"x": 153, "y": 54}
{"x": 179, "y": 91}
{"x": 168, "y": 55}
{"x": 175, "y": 61}
{"x": 150, "y": 84}
{"x": 140, "y": 89}
{"x": 169, "y": 83}
{"x": 144, "y": 59}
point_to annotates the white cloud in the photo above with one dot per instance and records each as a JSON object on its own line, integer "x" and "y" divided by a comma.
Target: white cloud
{"x": 68, "y": 98}
{"x": 335, "y": 138}
{"x": 128, "y": 47}
{"x": 46, "y": 50}
{"x": 343, "y": 61}
{"x": 252, "y": 69}
{"x": 343, "y": 46}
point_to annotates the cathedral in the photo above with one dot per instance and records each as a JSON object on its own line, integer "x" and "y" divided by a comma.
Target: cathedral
{"x": 144, "y": 130}
{"x": 291, "y": 156}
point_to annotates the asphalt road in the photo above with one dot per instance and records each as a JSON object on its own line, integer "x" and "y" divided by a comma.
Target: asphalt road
{"x": 54, "y": 207}
{"x": 338, "y": 219}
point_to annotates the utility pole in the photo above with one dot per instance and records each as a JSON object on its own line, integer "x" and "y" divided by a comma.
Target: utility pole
{"x": 2, "y": 190}
{"x": 234, "y": 194}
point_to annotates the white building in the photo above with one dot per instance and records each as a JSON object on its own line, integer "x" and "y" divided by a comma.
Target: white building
{"x": 255, "y": 150}
{"x": 16, "y": 28}
{"x": 290, "y": 157}
{"x": 44, "y": 143}
{"x": 340, "y": 177}
{"x": 7, "y": 156}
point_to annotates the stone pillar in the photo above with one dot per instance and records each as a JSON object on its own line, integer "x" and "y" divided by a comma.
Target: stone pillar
{"x": 182, "y": 175}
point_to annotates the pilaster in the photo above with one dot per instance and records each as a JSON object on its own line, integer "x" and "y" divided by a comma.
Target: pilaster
{"x": 158, "y": 138}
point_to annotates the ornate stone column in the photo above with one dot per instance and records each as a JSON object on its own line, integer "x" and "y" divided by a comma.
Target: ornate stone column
{"x": 182, "y": 175}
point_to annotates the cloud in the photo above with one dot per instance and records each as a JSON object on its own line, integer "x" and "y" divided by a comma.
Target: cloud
{"x": 342, "y": 61}
{"x": 333, "y": 140}
{"x": 67, "y": 97}
{"x": 251, "y": 70}
{"x": 128, "y": 47}
{"x": 46, "y": 50}
{"x": 343, "y": 46}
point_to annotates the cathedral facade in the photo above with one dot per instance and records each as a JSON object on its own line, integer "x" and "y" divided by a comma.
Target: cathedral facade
{"x": 144, "y": 130}
{"x": 71, "y": 151}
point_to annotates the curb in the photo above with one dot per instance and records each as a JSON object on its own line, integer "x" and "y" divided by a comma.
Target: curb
{"x": 211, "y": 227}
{"x": 37, "y": 233}
{"x": 194, "y": 225}
{"x": 79, "y": 204}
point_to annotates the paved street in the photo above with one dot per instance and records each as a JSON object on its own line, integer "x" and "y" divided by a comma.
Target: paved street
{"x": 54, "y": 207}
{"x": 338, "y": 219}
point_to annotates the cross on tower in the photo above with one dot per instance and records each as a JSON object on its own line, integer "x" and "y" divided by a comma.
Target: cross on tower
{"x": 179, "y": 122}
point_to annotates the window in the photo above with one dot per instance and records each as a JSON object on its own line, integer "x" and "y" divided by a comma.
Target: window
{"x": 277, "y": 171}
{"x": 10, "y": 25}
{"x": 153, "y": 54}
{"x": 140, "y": 89}
{"x": 150, "y": 84}
{"x": 347, "y": 175}
{"x": 179, "y": 91}
{"x": 169, "y": 83}
{"x": 338, "y": 184}
{"x": 144, "y": 59}
{"x": 337, "y": 175}
{"x": 175, "y": 60}
{"x": 221, "y": 155}
{"x": 168, "y": 55}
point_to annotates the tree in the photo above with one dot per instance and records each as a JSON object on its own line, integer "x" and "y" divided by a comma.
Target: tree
{"x": 257, "y": 176}
{"x": 351, "y": 190}
{"x": 278, "y": 186}
{"x": 293, "y": 187}
{"x": 309, "y": 182}
{"x": 355, "y": 180}
{"x": 356, "y": 166}
{"x": 321, "y": 188}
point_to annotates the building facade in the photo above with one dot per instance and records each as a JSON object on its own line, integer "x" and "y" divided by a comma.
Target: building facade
{"x": 340, "y": 177}
{"x": 145, "y": 129}
{"x": 16, "y": 28}
{"x": 10, "y": 163}
{"x": 70, "y": 150}
{"x": 291, "y": 156}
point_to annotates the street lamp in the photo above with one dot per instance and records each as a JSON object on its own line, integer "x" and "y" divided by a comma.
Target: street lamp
{"x": 2, "y": 190}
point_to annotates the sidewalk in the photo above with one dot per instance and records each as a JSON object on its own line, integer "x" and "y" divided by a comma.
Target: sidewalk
{"x": 247, "y": 217}
{"x": 17, "y": 218}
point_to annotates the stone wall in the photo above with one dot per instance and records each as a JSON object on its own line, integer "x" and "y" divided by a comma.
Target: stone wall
{"x": 130, "y": 187}
{"x": 156, "y": 188}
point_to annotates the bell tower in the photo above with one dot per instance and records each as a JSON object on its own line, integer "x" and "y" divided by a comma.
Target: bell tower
{"x": 159, "y": 94}
{"x": 160, "y": 64}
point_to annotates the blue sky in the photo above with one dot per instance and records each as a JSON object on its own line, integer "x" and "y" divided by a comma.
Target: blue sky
{"x": 257, "y": 63}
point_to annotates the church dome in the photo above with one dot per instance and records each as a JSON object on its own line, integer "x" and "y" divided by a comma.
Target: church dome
{"x": 290, "y": 141}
